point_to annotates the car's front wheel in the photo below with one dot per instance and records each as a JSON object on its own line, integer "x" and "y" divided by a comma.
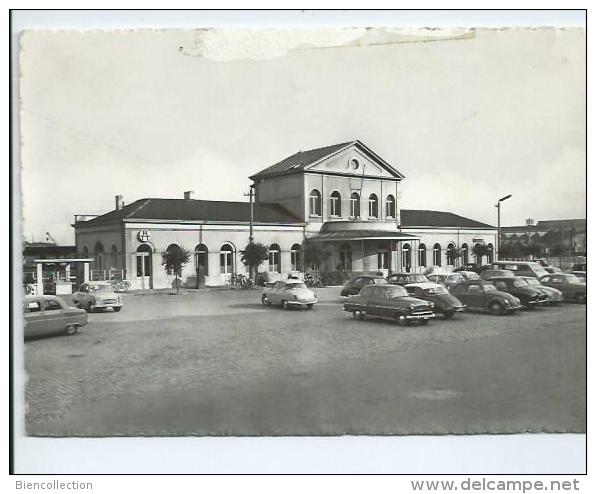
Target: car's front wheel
{"x": 400, "y": 318}
{"x": 284, "y": 304}
{"x": 89, "y": 307}
{"x": 310, "y": 306}
{"x": 70, "y": 330}
{"x": 358, "y": 315}
{"x": 496, "y": 308}
{"x": 117, "y": 309}
{"x": 264, "y": 300}
{"x": 580, "y": 297}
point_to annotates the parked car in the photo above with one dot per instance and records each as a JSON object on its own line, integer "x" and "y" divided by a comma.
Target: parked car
{"x": 582, "y": 275}
{"x": 445, "y": 303}
{"x": 554, "y": 296}
{"x": 553, "y": 270}
{"x": 496, "y": 273}
{"x": 288, "y": 293}
{"x": 448, "y": 280}
{"x": 468, "y": 267}
{"x": 518, "y": 287}
{"x": 482, "y": 295}
{"x": 569, "y": 284}
{"x": 353, "y": 286}
{"x": 391, "y": 302}
{"x": 582, "y": 266}
{"x": 47, "y": 314}
{"x": 522, "y": 268}
{"x": 402, "y": 279}
{"x": 95, "y": 295}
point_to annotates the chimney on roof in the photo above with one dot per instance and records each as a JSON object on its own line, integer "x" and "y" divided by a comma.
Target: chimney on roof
{"x": 119, "y": 202}
{"x": 189, "y": 194}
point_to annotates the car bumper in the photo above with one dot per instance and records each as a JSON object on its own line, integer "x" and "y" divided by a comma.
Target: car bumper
{"x": 424, "y": 316}
{"x": 301, "y": 302}
{"x": 105, "y": 305}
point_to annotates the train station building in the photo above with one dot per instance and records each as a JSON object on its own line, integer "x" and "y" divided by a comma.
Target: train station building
{"x": 344, "y": 197}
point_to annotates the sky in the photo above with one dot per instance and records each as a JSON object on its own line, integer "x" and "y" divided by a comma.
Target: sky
{"x": 467, "y": 118}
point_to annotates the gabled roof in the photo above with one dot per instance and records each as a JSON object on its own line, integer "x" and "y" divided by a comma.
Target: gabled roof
{"x": 302, "y": 159}
{"x": 195, "y": 210}
{"x": 424, "y": 217}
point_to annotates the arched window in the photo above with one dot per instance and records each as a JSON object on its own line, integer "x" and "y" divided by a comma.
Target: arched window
{"x": 464, "y": 254}
{"x": 406, "y": 258}
{"x": 450, "y": 254}
{"x": 345, "y": 257}
{"x": 491, "y": 252}
{"x": 383, "y": 256}
{"x": 373, "y": 206}
{"x": 436, "y": 255}
{"x": 390, "y": 206}
{"x": 144, "y": 254}
{"x": 422, "y": 255}
{"x": 295, "y": 257}
{"x": 354, "y": 205}
{"x": 274, "y": 258}
{"x": 477, "y": 257}
{"x": 98, "y": 255}
{"x": 315, "y": 202}
{"x": 202, "y": 259}
{"x": 226, "y": 259}
{"x": 335, "y": 204}
{"x": 114, "y": 257}
{"x": 174, "y": 249}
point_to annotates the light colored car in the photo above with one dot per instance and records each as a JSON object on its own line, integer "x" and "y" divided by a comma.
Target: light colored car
{"x": 48, "y": 314}
{"x": 97, "y": 295}
{"x": 448, "y": 280}
{"x": 288, "y": 293}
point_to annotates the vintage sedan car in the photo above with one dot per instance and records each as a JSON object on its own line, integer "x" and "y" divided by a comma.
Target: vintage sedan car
{"x": 402, "y": 279}
{"x": 391, "y": 302}
{"x": 482, "y": 295}
{"x": 496, "y": 273}
{"x": 95, "y": 295}
{"x": 518, "y": 287}
{"x": 553, "y": 295}
{"x": 445, "y": 303}
{"x": 288, "y": 293}
{"x": 48, "y": 314}
{"x": 448, "y": 280}
{"x": 570, "y": 285}
{"x": 353, "y": 286}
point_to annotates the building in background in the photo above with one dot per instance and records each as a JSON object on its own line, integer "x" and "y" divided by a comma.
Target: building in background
{"x": 343, "y": 198}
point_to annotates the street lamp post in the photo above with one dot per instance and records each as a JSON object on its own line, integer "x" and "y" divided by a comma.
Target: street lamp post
{"x": 498, "y": 206}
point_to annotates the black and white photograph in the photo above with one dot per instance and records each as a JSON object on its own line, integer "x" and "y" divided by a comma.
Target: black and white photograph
{"x": 327, "y": 231}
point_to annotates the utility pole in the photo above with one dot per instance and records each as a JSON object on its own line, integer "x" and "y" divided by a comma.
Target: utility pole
{"x": 251, "y": 193}
{"x": 498, "y": 206}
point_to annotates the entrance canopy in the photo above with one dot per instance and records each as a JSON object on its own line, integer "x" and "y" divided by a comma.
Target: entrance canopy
{"x": 345, "y": 235}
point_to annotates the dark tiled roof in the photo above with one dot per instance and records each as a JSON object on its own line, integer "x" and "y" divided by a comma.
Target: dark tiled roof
{"x": 195, "y": 210}
{"x": 297, "y": 162}
{"x": 423, "y": 217}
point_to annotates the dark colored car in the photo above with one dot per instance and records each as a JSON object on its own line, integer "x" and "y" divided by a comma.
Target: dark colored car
{"x": 582, "y": 266}
{"x": 554, "y": 296}
{"x": 482, "y": 295}
{"x": 518, "y": 287}
{"x": 445, "y": 302}
{"x": 353, "y": 286}
{"x": 390, "y": 302}
{"x": 569, "y": 284}
{"x": 496, "y": 273}
{"x": 402, "y": 279}
{"x": 582, "y": 275}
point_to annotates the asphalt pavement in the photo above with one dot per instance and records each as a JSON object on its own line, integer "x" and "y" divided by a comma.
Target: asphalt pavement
{"x": 220, "y": 363}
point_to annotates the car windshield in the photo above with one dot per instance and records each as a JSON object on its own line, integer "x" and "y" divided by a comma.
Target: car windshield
{"x": 437, "y": 290}
{"x": 380, "y": 281}
{"x": 397, "y": 291}
{"x": 519, "y": 283}
{"x": 296, "y": 286}
{"x": 455, "y": 278}
{"x": 472, "y": 276}
{"x": 417, "y": 278}
{"x": 101, "y": 288}
{"x": 439, "y": 278}
{"x": 489, "y": 288}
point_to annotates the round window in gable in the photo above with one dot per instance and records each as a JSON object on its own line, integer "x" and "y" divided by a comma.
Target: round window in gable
{"x": 355, "y": 164}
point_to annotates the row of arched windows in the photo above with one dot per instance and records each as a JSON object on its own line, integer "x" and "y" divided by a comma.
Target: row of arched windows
{"x": 335, "y": 205}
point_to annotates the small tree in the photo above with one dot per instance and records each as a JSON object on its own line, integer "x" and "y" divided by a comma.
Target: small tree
{"x": 314, "y": 253}
{"x": 557, "y": 250}
{"x": 173, "y": 259}
{"x": 252, "y": 256}
{"x": 479, "y": 251}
